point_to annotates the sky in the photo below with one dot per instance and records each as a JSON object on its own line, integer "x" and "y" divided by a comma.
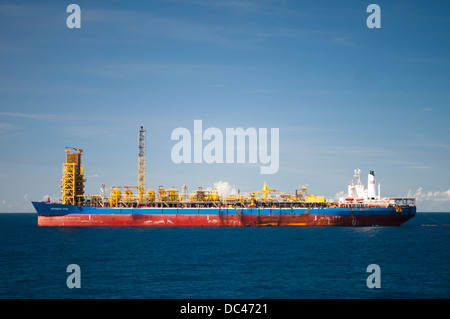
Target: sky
{"x": 343, "y": 95}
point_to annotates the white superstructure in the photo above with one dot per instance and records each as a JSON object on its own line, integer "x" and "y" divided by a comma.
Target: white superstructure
{"x": 358, "y": 196}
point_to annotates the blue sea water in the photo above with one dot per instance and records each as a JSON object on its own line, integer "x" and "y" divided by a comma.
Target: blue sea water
{"x": 266, "y": 262}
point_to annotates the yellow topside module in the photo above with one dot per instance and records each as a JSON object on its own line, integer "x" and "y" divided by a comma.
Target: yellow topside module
{"x": 73, "y": 177}
{"x": 73, "y": 191}
{"x": 314, "y": 199}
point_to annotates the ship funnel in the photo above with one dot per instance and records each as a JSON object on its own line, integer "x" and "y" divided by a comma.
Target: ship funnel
{"x": 371, "y": 185}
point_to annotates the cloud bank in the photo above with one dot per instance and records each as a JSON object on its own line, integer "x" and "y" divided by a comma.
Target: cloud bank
{"x": 225, "y": 188}
{"x": 429, "y": 201}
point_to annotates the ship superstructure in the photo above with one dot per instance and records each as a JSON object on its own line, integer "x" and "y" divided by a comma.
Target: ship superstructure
{"x": 358, "y": 196}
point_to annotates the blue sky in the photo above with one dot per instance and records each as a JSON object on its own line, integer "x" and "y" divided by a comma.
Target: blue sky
{"x": 342, "y": 95}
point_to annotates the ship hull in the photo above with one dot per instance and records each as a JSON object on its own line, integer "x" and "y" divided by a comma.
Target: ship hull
{"x": 54, "y": 214}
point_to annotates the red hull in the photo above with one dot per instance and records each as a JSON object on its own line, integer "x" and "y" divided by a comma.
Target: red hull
{"x": 219, "y": 221}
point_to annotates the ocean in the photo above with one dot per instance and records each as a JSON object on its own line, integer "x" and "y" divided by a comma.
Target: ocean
{"x": 230, "y": 263}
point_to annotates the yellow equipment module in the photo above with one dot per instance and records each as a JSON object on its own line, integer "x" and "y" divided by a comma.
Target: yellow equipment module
{"x": 73, "y": 177}
{"x": 314, "y": 199}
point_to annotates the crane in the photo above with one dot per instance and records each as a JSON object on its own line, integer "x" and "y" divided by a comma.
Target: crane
{"x": 266, "y": 191}
{"x": 79, "y": 150}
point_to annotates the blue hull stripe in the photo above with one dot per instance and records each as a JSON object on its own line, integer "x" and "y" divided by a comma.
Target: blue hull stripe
{"x": 44, "y": 208}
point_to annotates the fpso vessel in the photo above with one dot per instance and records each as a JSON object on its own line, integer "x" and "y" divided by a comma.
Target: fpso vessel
{"x": 168, "y": 207}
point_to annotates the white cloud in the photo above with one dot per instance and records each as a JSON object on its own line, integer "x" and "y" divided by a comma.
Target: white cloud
{"x": 16, "y": 10}
{"x": 431, "y": 201}
{"x": 339, "y": 195}
{"x": 343, "y": 41}
{"x": 35, "y": 116}
{"x": 225, "y": 188}
{"x": 5, "y": 126}
{"x": 434, "y": 196}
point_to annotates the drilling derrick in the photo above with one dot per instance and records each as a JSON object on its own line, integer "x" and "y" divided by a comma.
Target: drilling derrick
{"x": 142, "y": 174}
{"x": 73, "y": 177}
